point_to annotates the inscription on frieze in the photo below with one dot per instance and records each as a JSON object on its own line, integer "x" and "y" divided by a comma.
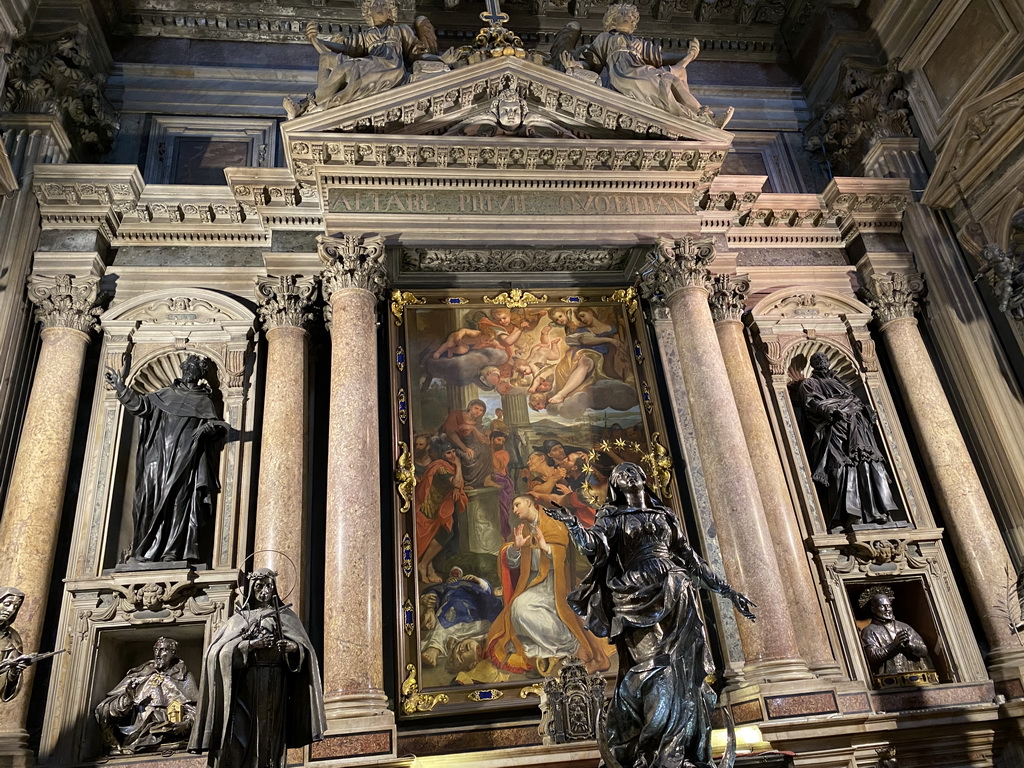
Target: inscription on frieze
{"x": 450, "y": 201}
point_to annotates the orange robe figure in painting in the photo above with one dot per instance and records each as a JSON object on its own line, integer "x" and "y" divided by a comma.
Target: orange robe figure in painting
{"x": 536, "y": 626}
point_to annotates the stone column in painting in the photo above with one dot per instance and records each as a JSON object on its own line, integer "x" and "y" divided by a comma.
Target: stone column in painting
{"x": 966, "y": 513}
{"x": 681, "y": 277}
{"x": 728, "y": 297}
{"x": 353, "y": 282}
{"x": 282, "y": 518}
{"x": 66, "y": 308}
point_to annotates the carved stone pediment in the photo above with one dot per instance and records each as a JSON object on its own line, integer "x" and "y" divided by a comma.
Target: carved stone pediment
{"x": 438, "y": 104}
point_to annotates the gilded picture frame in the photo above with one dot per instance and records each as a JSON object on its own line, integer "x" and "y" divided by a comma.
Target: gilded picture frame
{"x": 506, "y": 402}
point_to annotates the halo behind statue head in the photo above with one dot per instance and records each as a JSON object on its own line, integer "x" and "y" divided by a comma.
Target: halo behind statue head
{"x": 269, "y": 572}
{"x": 871, "y": 593}
{"x": 622, "y": 17}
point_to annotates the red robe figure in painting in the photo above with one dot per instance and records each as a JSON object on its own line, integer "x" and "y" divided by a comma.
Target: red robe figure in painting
{"x": 440, "y": 493}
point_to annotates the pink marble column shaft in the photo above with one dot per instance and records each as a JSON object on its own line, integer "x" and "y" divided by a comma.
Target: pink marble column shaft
{"x": 353, "y": 642}
{"x": 965, "y": 509}
{"x": 35, "y": 500}
{"x": 794, "y": 569}
{"x": 282, "y": 519}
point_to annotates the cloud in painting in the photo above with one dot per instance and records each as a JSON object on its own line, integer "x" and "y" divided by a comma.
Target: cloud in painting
{"x": 605, "y": 393}
{"x": 465, "y": 369}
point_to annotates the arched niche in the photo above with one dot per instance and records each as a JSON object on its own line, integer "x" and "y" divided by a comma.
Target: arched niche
{"x": 789, "y": 325}
{"x": 146, "y": 338}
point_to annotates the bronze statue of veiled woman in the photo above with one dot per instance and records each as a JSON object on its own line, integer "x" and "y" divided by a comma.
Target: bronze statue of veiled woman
{"x": 641, "y": 595}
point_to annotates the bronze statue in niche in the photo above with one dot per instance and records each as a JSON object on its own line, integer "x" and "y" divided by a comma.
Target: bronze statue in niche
{"x": 895, "y": 651}
{"x": 175, "y": 470}
{"x": 849, "y": 468}
{"x": 153, "y": 707}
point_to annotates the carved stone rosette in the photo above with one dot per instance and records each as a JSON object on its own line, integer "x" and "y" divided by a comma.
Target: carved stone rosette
{"x": 893, "y": 296}
{"x": 65, "y": 301}
{"x": 728, "y": 296}
{"x": 285, "y": 301}
{"x": 677, "y": 264}
{"x": 351, "y": 261}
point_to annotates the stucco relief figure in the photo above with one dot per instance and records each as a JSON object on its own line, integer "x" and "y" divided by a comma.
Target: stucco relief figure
{"x": 641, "y": 594}
{"x": 895, "y": 651}
{"x": 635, "y": 66}
{"x": 153, "y": 707}
{"x": 369, "y": 61}
{"x": 261, "y": 691}
{"x": 175, "y": 471}
{"x": 845, "y": 456}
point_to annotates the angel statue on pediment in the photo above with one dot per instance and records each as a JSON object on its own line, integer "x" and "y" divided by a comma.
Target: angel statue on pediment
{"x": 371, "y": 60}
{"x": 634, "y": 66}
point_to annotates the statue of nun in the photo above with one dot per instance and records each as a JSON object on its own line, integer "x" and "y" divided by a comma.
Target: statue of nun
{"x": 261, "y": 691}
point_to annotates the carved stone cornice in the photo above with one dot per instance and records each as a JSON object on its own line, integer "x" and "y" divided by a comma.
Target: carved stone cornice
{"x": 65, "y": 301}
{"x": 514, "y": 259}
{"x": 860, "y": 205}
{"x": 59, "y": 77}
{"x": 728, "y": 296}
{"x": 285, "y": 301}
{"x": 893, "y": 295}
{"x": 869, "y": 103}
{"x": 83, "y": 196}
{"x": 677, "y": 264}
{"x": 351, "y": 261}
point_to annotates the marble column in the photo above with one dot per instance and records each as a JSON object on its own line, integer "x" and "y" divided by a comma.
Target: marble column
{"x": 728, "y": 302}
{"x": 282, "y": 517}
{"x": 353, "y": 280}
{"x": 680, "y": 274}
{"x": 966, "y": 513}
{"x": 66, "y": 308}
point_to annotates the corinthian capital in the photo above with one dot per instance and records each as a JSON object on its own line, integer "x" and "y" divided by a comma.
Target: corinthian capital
{"x": 678, "y": 264}
{"x": 893, "y": 295}
{"x": 728, "y": 296}
{"x": 352, "y": 262}
{"x": 65, "y": 301}
{"x": 285, "y": 301}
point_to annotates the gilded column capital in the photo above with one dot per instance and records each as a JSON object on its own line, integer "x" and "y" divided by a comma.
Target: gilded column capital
{"x": 285, "y": 301}
{"x": 893, "y": 295}
{"x": 351, "y": 261}
{"x": 677, "y": 264}
{"x": 728, "y": 296}
{"x": 65, "y": 301}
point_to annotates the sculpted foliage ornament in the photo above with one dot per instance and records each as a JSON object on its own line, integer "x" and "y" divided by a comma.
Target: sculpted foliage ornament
{"x": 870, "y": 103}
{"x": 893, "y": 295}
{"x": 65, "y": 301}
{"x": 514, "y": 260}
{"x": 351, "y": 261}
{"x": 57, "y": 77}
{"x": 285, "y": 301}
{"x": 728, "y": 297}
{"x": 676, "y": 264}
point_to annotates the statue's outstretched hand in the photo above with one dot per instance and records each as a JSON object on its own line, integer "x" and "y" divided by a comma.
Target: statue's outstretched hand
{"x": 743, "y": 604}
{"x": 114, "y": 380}
{"x": 561, "y": 514}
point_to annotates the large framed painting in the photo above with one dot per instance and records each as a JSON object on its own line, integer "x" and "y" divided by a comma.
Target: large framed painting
{"x": 507, "y": 403}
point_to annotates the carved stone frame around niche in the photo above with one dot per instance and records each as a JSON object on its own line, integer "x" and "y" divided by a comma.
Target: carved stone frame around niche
{"x": 171, "y": 322}
{"x": 805, "y": 319}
